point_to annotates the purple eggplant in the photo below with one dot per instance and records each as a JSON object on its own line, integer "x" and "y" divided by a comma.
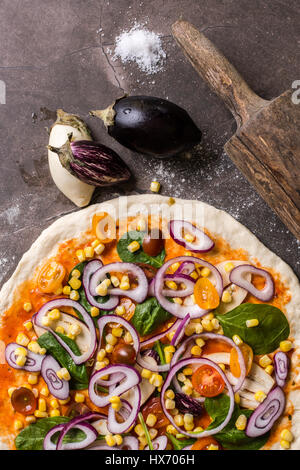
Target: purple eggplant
{"x": 149, "y": 125}
{"x": 92, "y": 162}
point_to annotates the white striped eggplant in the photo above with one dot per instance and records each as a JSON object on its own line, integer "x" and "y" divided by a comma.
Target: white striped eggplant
{"x": 92, "y": 162}
{"x": 149, "y": 125}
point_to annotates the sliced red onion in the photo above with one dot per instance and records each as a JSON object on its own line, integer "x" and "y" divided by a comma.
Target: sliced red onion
{"x": 90, "y": 269}
{"x": 131, "y": 377}
{"x": 90, "y": 432}
{"x": 237, "y": 277}
{"x": 202, "y": 241}
{"x": 186, "y": 404}
{"x": 182, "y": 278}
{"x": 151, "y": 288}
{"x": 160, "y": 443}
{"x": 185, "y": 268}
{"x": 173, "y": 371}
{"x": 281, "y": 362}
{"x": 187, "y": 448}
{"x": 175, "y": 309}
{"x": 119, "y": 428}
{"x": 33, "y": 361}
{"x": 265, "y": 415}
{"x": 138, "y": 294}
{"x": 154, "y": 368}
{"x": 59, "y": 388}
{"x": 157, "y": 337}
{"x": 60, "y": 303}
{"x": 213, "y": 336}
{"x": 75, "y": 422}
{"x": 130, "y": 442}
{"x": 179, "y": 333}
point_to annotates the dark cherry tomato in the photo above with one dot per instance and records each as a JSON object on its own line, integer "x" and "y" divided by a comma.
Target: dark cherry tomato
{"x": 149, "y": 270}
{"x": 23, "y": 401}
{"x": 153, "y": 243}
{"x": 154, "y": 406}
{"x": 77, "y": 409}
{"x": 207, "y": 381}
{"x": 124, "y": 354}
{"x": 204, "y": 442}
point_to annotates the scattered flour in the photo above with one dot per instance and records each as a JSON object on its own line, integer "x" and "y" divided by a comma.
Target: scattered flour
{"x": 141, "y": 46}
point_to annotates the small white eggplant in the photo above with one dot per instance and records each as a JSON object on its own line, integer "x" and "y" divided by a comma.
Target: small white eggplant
{"x": 77, "y": 191}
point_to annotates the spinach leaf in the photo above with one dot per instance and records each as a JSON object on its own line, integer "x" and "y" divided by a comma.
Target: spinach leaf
{"x": 230, "y": 437}
{"x": 148, "y": 316}
{"x": 179, "y": 444}
{"x": 139, "y": 256}
{"x": 77, "y": 372}
{"x": 82, "y": 297}
{"x": 32, "y": 437}
{"x": 265, "y": 338}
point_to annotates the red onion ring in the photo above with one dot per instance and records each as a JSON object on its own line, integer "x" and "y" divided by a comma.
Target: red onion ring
{"x": 263, "y": 418}
{"x": 202, "y": 244}
{"x": 188, "y": 281}
{"x": 179, "y": 333}
{"x": 177, "y": 355}
{"x": 168, "y": 381}
{"x": 90, "y": 432}
{"x": 138, "y": 294}
{"x": 119, "y": 428}
{"x": 59, "y": 388}
{"x": 265, "y": 294}
{"x": 74, "y": 423}
{"x": 130, "y": 374}
{"x": 58, "y": 303}
{"x": 155, "y": 338}
{"x": 177, "y": 310}
{"x": 160, "y": 443}
{"x": 33, "y": 361}
{"x": 185, "y": 268}
{"x": 157, "y": 368}
{"x": 90, "y": 269}
{"x": 281, "y": 362}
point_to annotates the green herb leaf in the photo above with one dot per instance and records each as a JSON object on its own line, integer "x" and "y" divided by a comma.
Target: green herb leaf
{"x": 179, "y": 444}
{"x": 230, "y": 437}
{"x": 32, "y": 437}
{"x": 78, "y": 372}
{"x": 148, "y": 316}
{"x": 139, "y": 256}
{"x": 265, "y": 338}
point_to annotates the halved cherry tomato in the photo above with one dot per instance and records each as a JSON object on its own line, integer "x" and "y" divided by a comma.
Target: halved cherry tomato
{"x": 104, "y": 227}
{"x": 204, "y": 442}
{"x": 153, "y": 406}
{"x": 50, "y": 277}
{"x": 207, "y": 381}
{"x": 206, "y": 295}
{"x": 234, "y": 360}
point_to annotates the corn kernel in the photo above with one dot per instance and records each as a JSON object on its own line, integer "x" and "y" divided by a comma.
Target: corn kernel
{"x": 171, "y": 285}
{"x": 178, "y": 419}
{"x": 198, "y": 429}
{"x": 35, "y": 392}
{"x": 20, "y": 361}
{"x": 139, "y": 430}
{"x": 22, "y": 339}
{"x": 28, "y": 325}
{"x": 117, "y": 332}
{"x": 269, "y": 370}
{"x": 241, "y": 422}
{"x": 156, "y": 380}
{"x": 187, "y": 390}
{"x": 45, "y": 391}
{"x": 109, "y": 348}
{"x": 18, "y": 425}
{"x": 59, "y": 290}
{"x": 118, "y": 439}
{"x": 189, "y": 329}
{"x": 79, "y": 397}
{"x": 33, "y": 379}
{"x": 286, "y": 435}
{"x": 226, "y": 297}
{"x": 178, "y": 300}
{"x": 110, "y": 339}
{"x": 155, "y": 186}
{"x": 110, "y": 440}
{"x": 27, "y": 306}
{"x": 153, "y": 433}
{"x": 205, "y": 272}
{"x": 133, "y": 246}
{"x": 285, "y": 444}
{"x": 188, "y": 418}
{"x": 101, "y": 354}
{"x": 188, "y": 426}
{"x": 115, "y": 281}
{"x": 207, "y": 325}
{"x": 222, "y": 366}
{"x": 171, "y": 429}
{"x": 64, "y": 402}
{"x": 196, "y": 351}
{"x": 40, "y": 414}
{"x": 99, "y": 249}
{"x": 89, "y": 251}
{"x": 215, "y": 323}
{"x": 95, "y": 243}
{"x": 30, "y": 419}
{"x": 42, "y": 404}
{"x": 54, "y": 413}
{"x": 151, "y": 420}
{"x": 213, "y": 447}
{"x": 75, "y": 283}
{"x": 260, "y": 396}
{"x": 200, "y": 342}
{"x": 265, "y": 361}
{"x": 237, "y": 398}
{"x": 63, "y": 374}
{"x": 67, "y": 290}
{"x": 21, "y": 351}
{"x": 208, "y": 316}
{"x": 286, "y": 346}
{"x": 124, "y": 284}
{"x": 170, "y": 394}
{"x": 34, "y": 347}
{"x": 170, "y": 349}
{"x": 74, "y": 295}
{"x": 229, "y": 267}
{"x": 252, "y": 323}
{"x": 128, "y": 338}
{"x": 187, "y": 371}
{"x": 75, "y": 329}
{"x": 175, "y": 266}
{"x": 80, "y": 255}
{"x": 101, "y": 289}
{"x": 95, "y": 311}
{"x": 76, "y": 273}
{"x": 60, "y": 329}
{"x": 120, "y": 310}
{"x": 170, "y": 404}
{"x": 54, "y": 403}
{"x": 146, "y": 374}
{"x": 237, "y": 340}
{"x": 54, "y": 314}
{"x": 189, "y": 238}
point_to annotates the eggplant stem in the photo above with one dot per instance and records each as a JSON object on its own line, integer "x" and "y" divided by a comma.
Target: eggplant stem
{"x": 107, "y": 115}
{"x": 53, "y": 149}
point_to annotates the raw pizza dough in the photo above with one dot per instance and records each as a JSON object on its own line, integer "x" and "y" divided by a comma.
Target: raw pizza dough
{"x": 216, "y": 221}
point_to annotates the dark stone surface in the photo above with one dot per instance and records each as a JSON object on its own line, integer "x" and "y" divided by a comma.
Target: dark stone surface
{"x": 58, "y": 54}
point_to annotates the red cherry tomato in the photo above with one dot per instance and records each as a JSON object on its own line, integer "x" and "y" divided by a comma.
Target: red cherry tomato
{"x": 124, "y": 354}
{"x": 207, "y": 381}
{"x": 23, "y": 401}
